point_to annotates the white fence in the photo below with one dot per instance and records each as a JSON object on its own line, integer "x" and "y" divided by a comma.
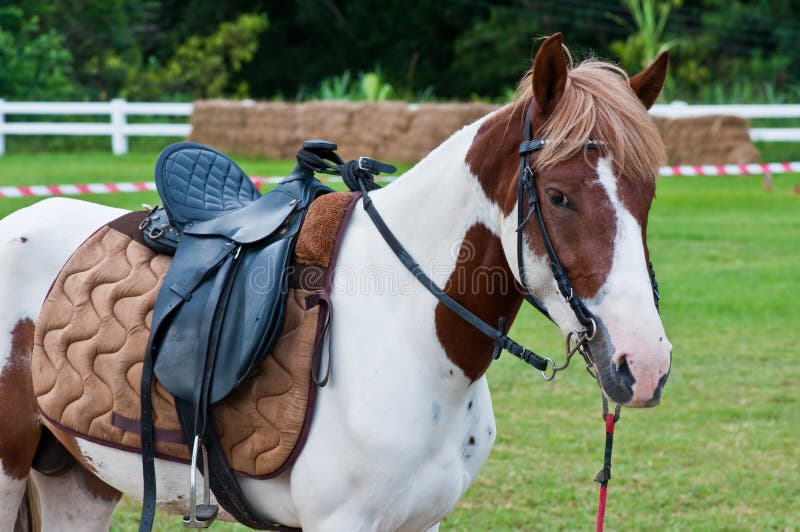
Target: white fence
{"x": 772, "y": 134}
{"x": 119, "y": 129}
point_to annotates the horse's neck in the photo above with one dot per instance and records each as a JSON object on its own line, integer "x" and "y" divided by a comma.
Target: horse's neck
{"x": 441, "y": 214}
{"x": 431, "y": 206}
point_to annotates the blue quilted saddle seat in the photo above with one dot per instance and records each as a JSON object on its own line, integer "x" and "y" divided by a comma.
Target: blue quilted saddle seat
{"x": 198, "y": 183}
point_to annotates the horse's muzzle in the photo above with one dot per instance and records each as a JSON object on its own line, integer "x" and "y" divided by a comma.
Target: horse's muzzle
{"x": 617, "y": 380}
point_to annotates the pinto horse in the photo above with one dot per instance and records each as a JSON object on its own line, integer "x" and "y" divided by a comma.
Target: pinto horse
{"x": 405, "y": 422}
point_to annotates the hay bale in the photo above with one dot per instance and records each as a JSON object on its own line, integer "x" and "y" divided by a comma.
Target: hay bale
{"x": 387, "y": 130}
{"x": 376, "y": 129}
{"x": 430, "y": 124}
{"x": 400, "y": 132}
{"x": 326, "y": 120}
{"x": 713, "y": 139}
{"x": 217, "y": 123}
{"x": 272, "y": 130}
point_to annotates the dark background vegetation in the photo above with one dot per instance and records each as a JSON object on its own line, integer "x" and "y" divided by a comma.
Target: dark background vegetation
{"x": 150, "y": 50}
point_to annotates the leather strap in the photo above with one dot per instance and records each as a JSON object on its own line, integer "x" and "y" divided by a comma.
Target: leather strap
{"x": 502, "y": 341}
{"x": 148, "y": 444}
{"x": 221, "y": 478}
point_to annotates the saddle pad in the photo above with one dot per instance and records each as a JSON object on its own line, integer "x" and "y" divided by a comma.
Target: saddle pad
{"x": 95, "y": 323}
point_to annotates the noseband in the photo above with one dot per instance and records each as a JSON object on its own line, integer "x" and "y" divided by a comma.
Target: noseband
{"x": 359, "y": 176}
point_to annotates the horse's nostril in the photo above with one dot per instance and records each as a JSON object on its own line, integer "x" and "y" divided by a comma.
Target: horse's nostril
{"x": 624, "y": 372}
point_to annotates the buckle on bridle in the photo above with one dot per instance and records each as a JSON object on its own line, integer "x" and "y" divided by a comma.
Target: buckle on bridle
{"x": 375, "y": 167}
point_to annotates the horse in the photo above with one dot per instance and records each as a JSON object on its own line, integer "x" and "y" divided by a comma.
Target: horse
{"x": 405, "y": 422}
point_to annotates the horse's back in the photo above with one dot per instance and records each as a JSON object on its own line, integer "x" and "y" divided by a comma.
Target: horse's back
{"x": 34, "y": 243}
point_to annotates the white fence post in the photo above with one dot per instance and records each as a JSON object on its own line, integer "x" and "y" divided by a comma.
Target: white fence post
{"x": 2, "y": 126}
{"x": 119, "y": 139}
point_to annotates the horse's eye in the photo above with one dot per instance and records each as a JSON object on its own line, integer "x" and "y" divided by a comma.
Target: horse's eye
{"x": 557, "y": 198}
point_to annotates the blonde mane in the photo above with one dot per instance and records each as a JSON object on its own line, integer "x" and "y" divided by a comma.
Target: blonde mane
{"x": 598, "y": 103}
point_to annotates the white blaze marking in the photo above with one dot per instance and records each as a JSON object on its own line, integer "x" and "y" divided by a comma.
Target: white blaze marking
{"x": 625, "y": 301}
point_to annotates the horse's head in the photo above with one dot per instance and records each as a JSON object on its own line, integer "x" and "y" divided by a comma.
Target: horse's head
{"x": 595, "y": 204}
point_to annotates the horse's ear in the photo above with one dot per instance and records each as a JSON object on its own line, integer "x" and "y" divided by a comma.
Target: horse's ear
{"x": 648, "y": 83}
{"x": 549, "y": 74}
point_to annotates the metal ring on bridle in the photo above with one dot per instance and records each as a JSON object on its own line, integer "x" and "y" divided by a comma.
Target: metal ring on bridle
{"x": 552, "y": 364}
{"x": 594, "y": 330}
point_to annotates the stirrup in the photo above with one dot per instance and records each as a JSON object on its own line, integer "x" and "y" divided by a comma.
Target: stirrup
{"x": 200, "y": 515}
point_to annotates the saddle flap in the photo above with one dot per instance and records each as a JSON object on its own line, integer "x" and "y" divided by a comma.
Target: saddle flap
{"x": 241, "y": 321}
{"x": 252, "y": 223}
{"x": 196, "y": 182}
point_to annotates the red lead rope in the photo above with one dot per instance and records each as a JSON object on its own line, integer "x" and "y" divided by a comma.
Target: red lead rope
{"x": 605, "y": 474}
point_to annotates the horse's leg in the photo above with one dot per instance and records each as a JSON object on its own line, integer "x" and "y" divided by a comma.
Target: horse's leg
{"x": 34, "y": 243}
{"x": 76, "y": 500}
{"x": 19, "y": 428}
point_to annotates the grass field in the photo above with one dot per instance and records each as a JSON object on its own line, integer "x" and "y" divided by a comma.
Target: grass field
{"x": 722, "y": 452}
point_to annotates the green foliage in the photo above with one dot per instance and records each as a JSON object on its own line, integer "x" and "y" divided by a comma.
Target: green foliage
{"x": 505, "y": 34}
{"x": 646, "y": 38}
{"x": 202, "y": 66}
{"x": 736, "y": 51}
{"x": 34, "y": 64}
{"x": 104, "y": 37}
{"x": 721, "y": 50}
{"x": 370, "y": 86}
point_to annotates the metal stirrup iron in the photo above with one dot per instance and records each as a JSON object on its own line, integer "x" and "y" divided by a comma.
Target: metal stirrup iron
{"x": 200, "y": 515}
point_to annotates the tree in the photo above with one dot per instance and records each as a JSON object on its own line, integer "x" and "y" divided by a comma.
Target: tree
{"x": 34, "y": 64}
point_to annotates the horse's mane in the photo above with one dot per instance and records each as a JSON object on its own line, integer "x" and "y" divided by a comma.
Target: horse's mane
{"x": 599, "y": 104}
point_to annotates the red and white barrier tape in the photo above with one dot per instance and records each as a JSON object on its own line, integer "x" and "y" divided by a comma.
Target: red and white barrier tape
{"x": 73, "y": 190}
{"x": 731, "y": 169}
{"x": 109, "y": 188}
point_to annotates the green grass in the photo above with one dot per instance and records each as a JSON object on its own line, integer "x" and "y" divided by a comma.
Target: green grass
{"x": 720, "y": 453}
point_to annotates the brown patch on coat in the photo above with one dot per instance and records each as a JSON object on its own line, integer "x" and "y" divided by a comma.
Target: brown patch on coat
{"x": 19, "y": 426}
{"x": 70, "y": 443}
{"x": 637, "y": 198}
{"x": 86, "y": 473}
{"x": 97, "y": 487}
{"x": 583, "y": 235}
{"x": 482, "y": 282}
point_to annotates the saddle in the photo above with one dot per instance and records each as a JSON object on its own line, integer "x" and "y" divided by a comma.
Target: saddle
{"x": 223, "y": 300}
{"x": 224, "y": 292}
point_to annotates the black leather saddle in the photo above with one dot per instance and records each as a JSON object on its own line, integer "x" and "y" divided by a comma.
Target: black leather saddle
{"x": 221, "y": 305}
{"x": 223, "y": 298}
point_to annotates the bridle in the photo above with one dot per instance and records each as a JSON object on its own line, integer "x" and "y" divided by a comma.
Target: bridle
{"x": 577, "y": 341}
{"x": 359, "y": 176}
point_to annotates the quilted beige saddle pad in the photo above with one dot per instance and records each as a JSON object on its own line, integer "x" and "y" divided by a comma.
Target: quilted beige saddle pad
{"x": 94, "y": 326}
